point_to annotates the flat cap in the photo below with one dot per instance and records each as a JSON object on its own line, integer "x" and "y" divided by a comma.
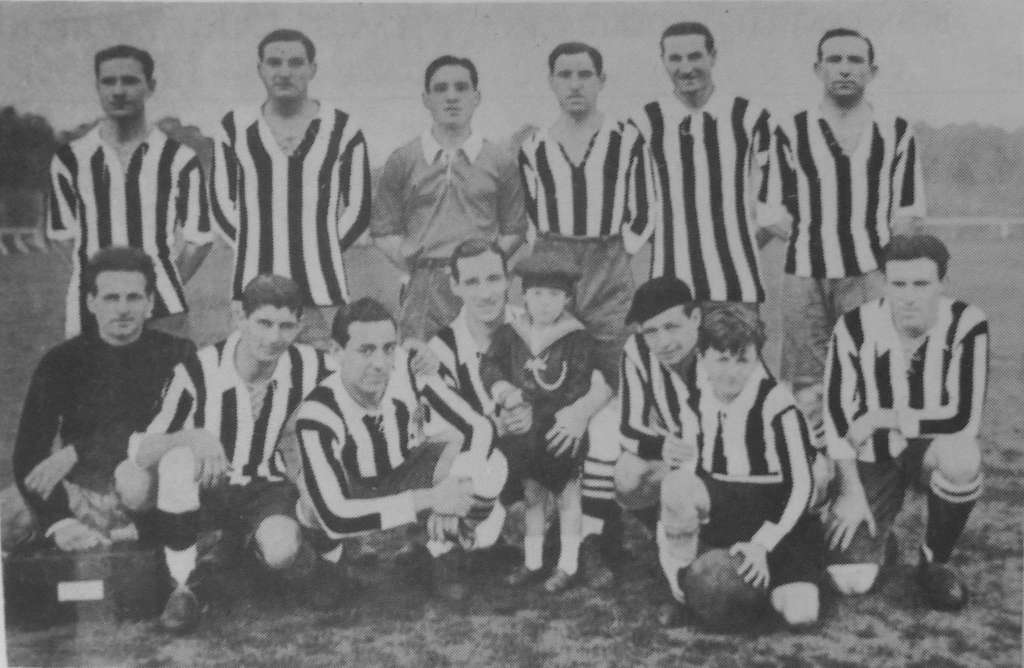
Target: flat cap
{"x": 547, "y": 269}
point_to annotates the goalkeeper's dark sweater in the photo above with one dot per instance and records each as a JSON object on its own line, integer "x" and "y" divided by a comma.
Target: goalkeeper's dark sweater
{"x": 94, "y": 396}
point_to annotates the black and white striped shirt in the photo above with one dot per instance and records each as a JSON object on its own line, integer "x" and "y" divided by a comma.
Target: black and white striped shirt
{"x": 207, "y": 393}
{"x": 843, "y": 204}
{"x": 654, "y": 400}
{"x": 708, "y": 167}
{"x": 344, "y": 444}
{"x": 292, "y": 215}
{"x": 99, "y": 203}
{"x": 459, "y": 357}
{"x": 939, "y": 390}
{"x": 760, "y": 437}
{"x": 594, "y": 198}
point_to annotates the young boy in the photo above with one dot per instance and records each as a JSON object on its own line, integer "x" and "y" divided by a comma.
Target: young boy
{"x": 753, "y": 482}
{"x": 546, "y": 358}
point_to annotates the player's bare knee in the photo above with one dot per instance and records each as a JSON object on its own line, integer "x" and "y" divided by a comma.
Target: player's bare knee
{"x": 853, "y": 579}
{"x": 134, "y": 486}
{"x": 681, "y": 495}
{"x": 957, "y": 459}
{"x": 278, "y": 540}
{"x": 176, "y": 466}
{"x": 632, "y": 488}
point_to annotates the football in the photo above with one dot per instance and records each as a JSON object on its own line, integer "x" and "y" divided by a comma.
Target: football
{"x": 718, "y": 595}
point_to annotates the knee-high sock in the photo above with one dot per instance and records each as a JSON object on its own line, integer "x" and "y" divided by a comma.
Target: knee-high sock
{"x": 674, "y": 556}
{"x": 949, "y": 505}
{"x": 177, "y": 511}
{"x": 482, "y": 526}
{"x": 598, "y": 484}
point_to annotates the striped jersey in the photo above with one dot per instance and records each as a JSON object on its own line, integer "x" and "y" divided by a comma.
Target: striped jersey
{"x": 938, "y": 389}
{"x": 760, "y": 437}
{"x": 344, "y": 445}
{"x": 100, "y": 203}
{"x": 655, "y": 399}
{"x": 843, "y": 204}
{"x": 708, "y": 167}
{"x": 593, "y": 197}
{"x": 459, "y": 357}
{"x": 206, "y": 392}
{"x": 292, "y": 215}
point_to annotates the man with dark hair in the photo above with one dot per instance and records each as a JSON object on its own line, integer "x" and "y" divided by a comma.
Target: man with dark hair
{"x": 710, "y": 154}
{"x": 905, "y": 387}
{"x": 368, "y": 465}
{"x": 127, "y": 183}
{"x": 291, "y": 183}
{"x": 752, "y": 485}
{"x": 213, "y": 446}
{"x": 440, "y": 189}
{"x": 585, "y": 182}
{"x": 850, "y": 175}
{"x": 90, "y": 393}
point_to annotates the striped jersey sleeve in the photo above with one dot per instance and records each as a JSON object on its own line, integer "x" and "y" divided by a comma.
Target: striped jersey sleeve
{"x": 62, "y": 209}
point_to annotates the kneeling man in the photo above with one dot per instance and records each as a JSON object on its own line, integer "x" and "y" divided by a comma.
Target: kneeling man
{"x": 367, "y": 465}
{"x": 752, "y": 484}
{"x": 905, "y": 383}
{"x": 212, "y": 446}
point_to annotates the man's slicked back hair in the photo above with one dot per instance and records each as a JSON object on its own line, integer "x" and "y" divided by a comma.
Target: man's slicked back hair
{"x": 119, "y": 258}
{"x": 288, "y": 35}
{"x": 730, "y": 328}
{"x": 365, "y": 309}
{"x": 571, "y": 49}
{"x": 846, "y": 32}
{"x": 125, "y": 51}
{"x": 689, "y": 28}
{"x": 272, "y": 290}
{"x": 473, "y": 248}
{"x": 448, "y": 59}
{"x": 917, "y": 246}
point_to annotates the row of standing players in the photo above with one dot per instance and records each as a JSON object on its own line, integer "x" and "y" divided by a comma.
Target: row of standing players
{"x": 637, "y": 173}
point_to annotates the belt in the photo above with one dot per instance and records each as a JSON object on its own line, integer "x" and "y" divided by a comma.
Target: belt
{"x": 428, "y": 263}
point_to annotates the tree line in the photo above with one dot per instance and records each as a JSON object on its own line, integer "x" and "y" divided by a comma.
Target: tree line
{"x": 969, "y": 169}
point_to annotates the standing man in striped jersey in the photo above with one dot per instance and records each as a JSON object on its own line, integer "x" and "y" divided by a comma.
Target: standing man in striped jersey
{"x": 442, "y": 188}
{"x": 905, "y": 387}
{"x": 752, "y": 484}
{"x": 126, "y": 183}
{"x": 291, "y": 183}
{"x": 213, "y": 445}
{"x": 368, "y": 466}
{"x": 584, "y": 180}
{"x": 710, "y": 153}
{"x": 849, "y": 175}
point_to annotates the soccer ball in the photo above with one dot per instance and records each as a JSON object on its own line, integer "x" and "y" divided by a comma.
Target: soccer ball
{"x": 718, "y": 595}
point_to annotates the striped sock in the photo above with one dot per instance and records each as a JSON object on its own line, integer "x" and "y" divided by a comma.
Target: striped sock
{"x": 949, "y": 505}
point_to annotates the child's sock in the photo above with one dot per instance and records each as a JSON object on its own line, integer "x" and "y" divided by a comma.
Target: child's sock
{"x": 533, "y": 551}
{"x": 568, "y": 558}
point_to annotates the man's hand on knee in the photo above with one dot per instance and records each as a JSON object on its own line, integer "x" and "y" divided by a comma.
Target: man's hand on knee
{"x": 48, "y": 473}
{"x": 210, "y": 461}
{"x": 70, "y": 535}
{"x": 848, "y": 511}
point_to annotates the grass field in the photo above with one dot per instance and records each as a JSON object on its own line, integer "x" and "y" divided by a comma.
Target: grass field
{"x": 499, "y": 627}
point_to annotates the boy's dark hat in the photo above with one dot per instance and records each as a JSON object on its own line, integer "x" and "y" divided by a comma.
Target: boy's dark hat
{"x": 658, "y": 295}
{"x": 547, "y": 269}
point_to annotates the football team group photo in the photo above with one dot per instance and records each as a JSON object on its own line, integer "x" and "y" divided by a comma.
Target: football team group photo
{"x": 699, "y": 348}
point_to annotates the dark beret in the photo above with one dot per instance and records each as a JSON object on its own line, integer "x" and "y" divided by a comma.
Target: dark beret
{"x": 658, "y": 295}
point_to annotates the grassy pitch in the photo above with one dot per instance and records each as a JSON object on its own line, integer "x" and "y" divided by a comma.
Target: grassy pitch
{"x": 259, "y": 625}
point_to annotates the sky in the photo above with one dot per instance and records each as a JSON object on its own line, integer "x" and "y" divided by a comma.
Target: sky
{"x": 941, "y": 61}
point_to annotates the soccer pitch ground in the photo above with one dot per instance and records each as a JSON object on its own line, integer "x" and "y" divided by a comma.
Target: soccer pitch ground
{"x": 259, "y": 626}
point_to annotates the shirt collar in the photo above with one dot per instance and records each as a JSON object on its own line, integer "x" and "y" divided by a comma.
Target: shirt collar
{"x": 155, "y": 136}
{"x": 432, "y": 148}
{"x": 720, "y": 103}
{"x": 228, "y": 372}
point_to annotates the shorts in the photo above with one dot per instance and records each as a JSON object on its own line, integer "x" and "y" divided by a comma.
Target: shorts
{"x": 528, "y": 457}
{"x": 427, "y": 302}
{"x": 739, "y": 509}
{"x": 240, "y": 509}
{"x": 810, "y": 309}
{"x": 885, "y": 485}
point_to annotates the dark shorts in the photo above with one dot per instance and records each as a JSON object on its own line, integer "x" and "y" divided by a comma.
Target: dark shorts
{"x": 242, "y": 508}
{"x": 885, "y": 485}
{"x": 739, "y": 509}
{"x": 528, "y": 457}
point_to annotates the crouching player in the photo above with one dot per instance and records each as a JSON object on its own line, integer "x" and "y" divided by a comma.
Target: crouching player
{"x": 905, "y": 384}
{"x": 752, "y": 484}
{"x": 212, "y": 447}
{"x": 367, "y": 466}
